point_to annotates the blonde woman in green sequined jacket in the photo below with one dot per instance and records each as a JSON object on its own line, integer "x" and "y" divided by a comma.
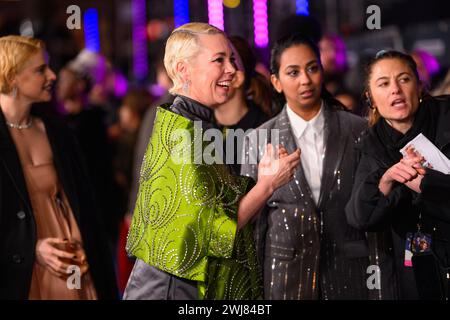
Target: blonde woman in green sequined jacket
{"x": 190, "y": 230}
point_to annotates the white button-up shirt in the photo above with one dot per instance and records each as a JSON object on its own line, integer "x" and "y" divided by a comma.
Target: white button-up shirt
{"x": 310, "y": 139}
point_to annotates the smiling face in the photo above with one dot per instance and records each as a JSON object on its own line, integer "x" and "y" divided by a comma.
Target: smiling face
{"x": 299, "y": 78}
{"x": 211, "y": 71}
{"x": 394, "y": 91}
{"x": 34, "y": 81}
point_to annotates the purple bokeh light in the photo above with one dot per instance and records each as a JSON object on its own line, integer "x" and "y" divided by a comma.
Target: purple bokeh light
{"x": 215, "y": 13}
{"x": 140, "y": 65}
{"x": 261, "y": 32}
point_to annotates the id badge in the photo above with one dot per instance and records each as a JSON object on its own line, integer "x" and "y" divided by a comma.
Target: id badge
{"x": 416, "y": 243}
{"x": 408, "y": 249}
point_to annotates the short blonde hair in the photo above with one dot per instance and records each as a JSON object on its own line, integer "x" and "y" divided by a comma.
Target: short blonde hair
{"x": 14, "y": 53}
{"x": 183, "y": 45}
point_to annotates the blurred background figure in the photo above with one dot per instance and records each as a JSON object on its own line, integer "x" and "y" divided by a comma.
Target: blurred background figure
{"x": 334, "y": 61}
{"x": 98, "y": 69}
{"x": 131, "y": 113}
{"x": 133, "y": 108}
{"x": 250, "y": 102}
{"x": 87, "y": 121}
{"x": 427, "y": 66}
{"x": 443, "y": 87}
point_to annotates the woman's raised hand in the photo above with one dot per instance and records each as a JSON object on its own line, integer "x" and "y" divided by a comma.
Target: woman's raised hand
{"x": 277, "y": 170}
{"x": 282, "y": 152}
{"x": 399, "y": 172}
{"x": 415, "y": 160}
{"x": 408, "y": 171}
{"x": 274, "y": 170}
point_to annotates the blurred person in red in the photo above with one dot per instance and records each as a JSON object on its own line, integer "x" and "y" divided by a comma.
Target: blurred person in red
{"x": 131, "y": 113}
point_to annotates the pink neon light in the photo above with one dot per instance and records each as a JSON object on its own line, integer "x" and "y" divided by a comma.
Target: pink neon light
{"x": 215, "y": 13}
{"x": 261, "y": 31}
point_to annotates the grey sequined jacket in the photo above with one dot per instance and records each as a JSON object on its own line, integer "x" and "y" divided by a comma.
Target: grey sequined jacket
{"x": 309, "y": 251}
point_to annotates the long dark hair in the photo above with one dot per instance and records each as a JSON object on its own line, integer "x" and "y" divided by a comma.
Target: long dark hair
{"x": 255, "y": 84}
{"x": 282, "y": 45}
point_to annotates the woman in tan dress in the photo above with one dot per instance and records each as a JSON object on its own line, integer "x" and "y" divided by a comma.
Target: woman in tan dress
{"x": 43, "y": 184}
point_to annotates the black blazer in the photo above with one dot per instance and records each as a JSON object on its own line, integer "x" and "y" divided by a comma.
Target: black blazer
{"x": 17, "y": 223}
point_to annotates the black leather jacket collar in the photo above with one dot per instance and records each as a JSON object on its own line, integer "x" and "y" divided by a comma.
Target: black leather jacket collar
{"x": 191, "y": 109}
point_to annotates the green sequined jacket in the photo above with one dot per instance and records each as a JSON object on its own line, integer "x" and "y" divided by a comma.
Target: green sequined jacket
{"x": 185, "y": 218}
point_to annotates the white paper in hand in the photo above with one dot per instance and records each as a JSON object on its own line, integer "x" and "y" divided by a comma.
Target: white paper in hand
{"x": 430, "y": 152}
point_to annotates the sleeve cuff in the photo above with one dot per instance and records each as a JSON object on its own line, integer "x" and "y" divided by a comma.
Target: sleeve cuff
{"x": 434, "y": 184}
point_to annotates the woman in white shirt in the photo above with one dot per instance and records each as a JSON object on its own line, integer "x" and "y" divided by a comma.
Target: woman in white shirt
{"x": 306, "y": 247}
